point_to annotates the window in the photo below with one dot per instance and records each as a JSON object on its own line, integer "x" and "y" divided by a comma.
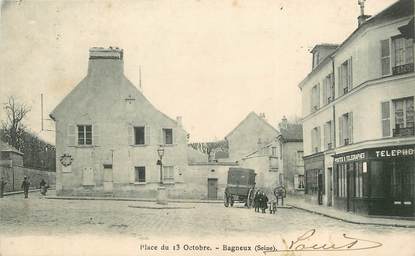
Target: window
{"x": 274, "y": 151}
{"x": 84, "y": 134}
{"x": 386, "y": 127}
{"x": 300, "y": 161}
{"x": 315, "y": 140}
{"x": 315, "y": 98}
{"x": 328, "y": 140}
{"x": 385, "y": 57}
{"x": 403, "y": 50}
{"x": 311, "y": 181}
{"x": 345, "y": 74}
{"x": 358, "y": 179}
{"x": 168, "y": 174}
{"x": 328, "y": 89}
{"x": 342, "y": 180}
{"x": 404, "y": 112}
{"x": 140, "y": 174}
{"x": 346, "y": 129}
{"x": 167, "y": 136}
{"x": 139, "y": 135}
{"x": 299, "y": 182}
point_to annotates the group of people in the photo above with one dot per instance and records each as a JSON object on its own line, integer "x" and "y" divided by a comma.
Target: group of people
{"x": 25, "y": 186}
{"x": 261, "y": 202}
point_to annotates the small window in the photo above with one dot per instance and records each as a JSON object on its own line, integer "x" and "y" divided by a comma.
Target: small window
{"x": 139, "y": 133}
{"x": 168, "y": 174}
{"x": 167, "y": 136}
{"x": 84, "y": 134}
{"x": 274, "y": 151}
{"x": 140, "y": 174}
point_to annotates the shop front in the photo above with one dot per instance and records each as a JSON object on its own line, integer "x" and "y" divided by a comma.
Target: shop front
{"x": 376, "y": 181}
{"x": 314, "y": 178}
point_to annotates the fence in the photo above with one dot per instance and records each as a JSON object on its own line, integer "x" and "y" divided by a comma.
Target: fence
{"x": 14, "y": 177}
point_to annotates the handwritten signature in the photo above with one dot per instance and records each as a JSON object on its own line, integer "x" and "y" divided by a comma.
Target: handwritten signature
{"x": 303, "y": 244}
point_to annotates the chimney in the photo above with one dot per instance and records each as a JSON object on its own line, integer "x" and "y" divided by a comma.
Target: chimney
{"x": 179, "y": 121}
{"x": 284, "y": 123}
{"x": 262, "y": 115}
{"x": 362, "y": 18}
{"x": 104, "y": 62}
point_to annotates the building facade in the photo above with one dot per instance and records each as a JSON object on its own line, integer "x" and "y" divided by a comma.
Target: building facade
{"x": 244, "y": 138}
{"x": 108, "y": 133}
{"x": 290, "y": 143}
{"x": 358, "y": 119}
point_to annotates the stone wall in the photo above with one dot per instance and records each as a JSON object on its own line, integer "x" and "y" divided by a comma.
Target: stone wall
{"x": 14, "y": 177}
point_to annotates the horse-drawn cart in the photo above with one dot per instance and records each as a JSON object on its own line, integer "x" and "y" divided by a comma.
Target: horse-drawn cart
{"x": 240, "y": 187}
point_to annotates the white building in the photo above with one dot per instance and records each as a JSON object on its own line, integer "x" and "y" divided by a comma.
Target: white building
{"x": 358, "y": 117}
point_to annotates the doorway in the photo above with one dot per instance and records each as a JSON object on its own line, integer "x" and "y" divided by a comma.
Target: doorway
{"x": 213, "y": 188}
{"x": 108, "y": 179}
{"x": 330, "y": 187}
{"x": 402, "y": 188}
{"x": 350, "y": 186}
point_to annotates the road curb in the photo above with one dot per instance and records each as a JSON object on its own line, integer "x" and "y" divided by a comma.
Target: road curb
{"x": 352, "y": 221}
{"x": 131, "y": 199}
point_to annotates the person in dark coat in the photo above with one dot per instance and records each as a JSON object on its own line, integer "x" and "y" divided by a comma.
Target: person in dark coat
{"x": 43, "y": 187}
{"x": 25, "y": 186}
{"x": 264, "y": 202}
{"x": 256, "y": 201}
{"x": 2, "y": 186}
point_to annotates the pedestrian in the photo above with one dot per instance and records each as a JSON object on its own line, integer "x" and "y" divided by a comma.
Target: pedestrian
{"x": 264, "y": 202}
{"x": 256, "y": 201}
{"x": 25, "y": 186}
{"x": 2, "y": 186}
{"x": 279, "y": 193}
{"x": 272, "y": 207}
{"x": 43, "y": 187}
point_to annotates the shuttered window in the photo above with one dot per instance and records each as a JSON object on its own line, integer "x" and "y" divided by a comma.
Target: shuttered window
{"x": 386, "y": 125}
{"x": 140, "y": 174}
{"x": 167, "y": 136}
{"x": 168, "y": 174}
{"x": 385, "y": 57}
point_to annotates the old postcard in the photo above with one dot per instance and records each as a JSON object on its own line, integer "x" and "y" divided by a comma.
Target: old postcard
{"x": 207, "y": 127}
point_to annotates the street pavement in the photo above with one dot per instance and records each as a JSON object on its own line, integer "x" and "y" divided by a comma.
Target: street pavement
{"x": 38, "y": 216}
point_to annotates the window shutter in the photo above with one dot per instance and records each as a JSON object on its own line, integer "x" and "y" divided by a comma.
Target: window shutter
{"x": 95, "y": 135}
{"x": 350, "y": 127}
{"x": 385, "y": 57}
{"x": 350, "y": 74}
{"x": 132, "y": 175}
{"x": 325, "y": 86}
{"x": 319, "y": 138}
{"x": 339, "y": 81}
{"x": 147, "y": 135}
{"x": 385, "y": 108}
{"x": 174, "y": 133}
{"x": 72, "y": 135}
{"x": 326, "y": 135}
{"x": 130, "y": 135}
{"x": 341, "y": 140}
{"x": 318, "y": 96}
{"x": 161, "y": 137}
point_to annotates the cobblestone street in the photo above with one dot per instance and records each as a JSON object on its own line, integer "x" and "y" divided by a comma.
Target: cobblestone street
{"x": 44, "y": 217}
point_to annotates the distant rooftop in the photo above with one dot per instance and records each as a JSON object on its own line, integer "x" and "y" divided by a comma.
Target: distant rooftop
{"x": 106, "y": 53}
{"x": 293, "y": 133}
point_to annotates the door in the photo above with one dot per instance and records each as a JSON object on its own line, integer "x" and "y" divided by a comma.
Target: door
{"x": 402, "y": 188}
{"x": 350, "y": 186}
{"x": 108, "y": 180}
{"x": 330, "y": 187}
{"x": 212, "y": 188}
{"x": 320, "y": 188}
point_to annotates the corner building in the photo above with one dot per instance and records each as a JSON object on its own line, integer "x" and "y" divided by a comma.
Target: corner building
{"x": 358, "y": 118}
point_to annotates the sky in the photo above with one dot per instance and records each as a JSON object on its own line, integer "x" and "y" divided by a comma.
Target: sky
{"x": 209, "y": 61}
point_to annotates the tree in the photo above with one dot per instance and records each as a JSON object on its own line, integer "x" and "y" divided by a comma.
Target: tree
{"x": 13, "y": 127}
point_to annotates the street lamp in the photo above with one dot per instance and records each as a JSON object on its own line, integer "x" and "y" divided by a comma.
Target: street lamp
{"x": 160, "y": 152}
{"x": 161, "y": 190}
